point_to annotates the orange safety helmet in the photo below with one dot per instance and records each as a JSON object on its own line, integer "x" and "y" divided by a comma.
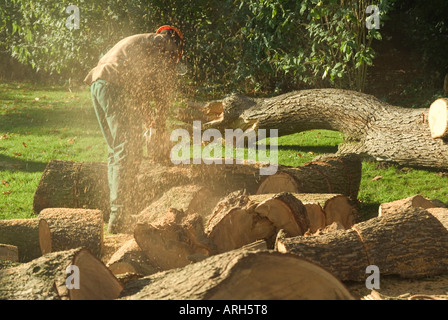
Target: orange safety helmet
{"x": 178, "y": 32}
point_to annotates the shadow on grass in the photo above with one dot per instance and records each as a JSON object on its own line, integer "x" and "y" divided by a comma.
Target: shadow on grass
{"x": 314, "y": 149}
{"x": 14, "y": 164}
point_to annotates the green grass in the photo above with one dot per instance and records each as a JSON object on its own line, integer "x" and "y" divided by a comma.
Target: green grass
{"x": 38, "y": 124}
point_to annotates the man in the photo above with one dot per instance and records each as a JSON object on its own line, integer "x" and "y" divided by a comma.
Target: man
{"x": 130, "y": 87}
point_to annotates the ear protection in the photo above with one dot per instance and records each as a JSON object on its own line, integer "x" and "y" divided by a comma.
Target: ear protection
{"x": 178, "y": 32}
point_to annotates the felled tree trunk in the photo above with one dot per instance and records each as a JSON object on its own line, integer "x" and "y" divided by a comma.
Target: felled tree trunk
{"x": 46, "y": 278}
{"x": 401, "y": 244}
{"x": 372, "y": 128}
{"x": 68, "y": 184}
{"x": 24, "y": 234}
{"x": 241, "y": 275}
{"x": 63, "y": 229}
{"x": 323, "y": 175}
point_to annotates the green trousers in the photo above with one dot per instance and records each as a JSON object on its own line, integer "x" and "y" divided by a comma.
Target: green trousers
{"x": 123, "y": 134}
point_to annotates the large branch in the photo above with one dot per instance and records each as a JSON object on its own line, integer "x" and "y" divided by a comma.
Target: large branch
{"x": 371, "y": 127}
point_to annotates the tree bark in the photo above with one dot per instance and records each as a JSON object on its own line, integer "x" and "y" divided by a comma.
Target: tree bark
{"x": 372, "y": 128}
{"x": 400, "y": 243}
{"x": 323, "y": 175}
{"x": 130, "y": 259}
{"x": 189, "y": 198}
{"x": 62, "y": 229}
{"x": 174, "y": 240}
{"x": 9, "y": 252}
{"x": 68, "y": 184}
{"x": 24, "y": 234}
{"x": 401, "y": 205}
{"x": 45, "y": 278}
{"x": 241, "y": 275}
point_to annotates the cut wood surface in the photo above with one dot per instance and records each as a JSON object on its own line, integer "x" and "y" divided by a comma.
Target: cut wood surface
{"x": 130, "y": 259}
{"x": 416, "y": 201}
{"x": 241, "y": 275}
{"x": 9, "y": 252}
{"x": 372, "y": 128}
{"x": 188, "y": 198}
{"x": 24, "y": 234}
{"x": 401, "y": 243}
{"x": 438, "y": 118}
{"x": 64, "y": 228}
{"x": 239, "y": 219}
{"x": 174, "y": 240}
{"x": 323, "y": 209}
{"x": 45, "y": 278}
{"x": 69, "y": 184}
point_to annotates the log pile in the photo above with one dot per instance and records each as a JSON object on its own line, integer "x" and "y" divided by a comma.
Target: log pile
{"x": 225, "y": 231}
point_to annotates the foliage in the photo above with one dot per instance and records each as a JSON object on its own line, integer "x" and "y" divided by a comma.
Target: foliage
{"x": 251, "y": 46}
{"x": 424, "y": 25}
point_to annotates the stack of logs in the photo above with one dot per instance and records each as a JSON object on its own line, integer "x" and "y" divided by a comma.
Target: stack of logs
{"x": 217, "y": 232}
{"x": 225, "y": 231}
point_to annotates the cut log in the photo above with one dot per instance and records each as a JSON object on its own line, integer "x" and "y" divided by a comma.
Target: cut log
{"x": 68, "y": 184}
{"x": 321, "y": 209}
{"x": 62, "y": 229}
{"x": 240, "y": 219}
{"x": 417, "y": 201}
{"x": 46, "y": 278}
{"x": 241, "y": 275}
{"x": 438, "y": 118}
{"x": 372, "y": 128}
{"x": 24, "y": 234}
{"x": 188, "y": 198}
{"x": 172, "y": 241}
{"x": 323, "y": 175}
{"x": 9, "y": 252}
{"x": 130, "y": 259}
{"x": 401, "y": 243}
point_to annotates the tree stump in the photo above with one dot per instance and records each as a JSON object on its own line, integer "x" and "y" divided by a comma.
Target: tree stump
{"x": 241, "y": 275}
{"x": 46, "y": 278}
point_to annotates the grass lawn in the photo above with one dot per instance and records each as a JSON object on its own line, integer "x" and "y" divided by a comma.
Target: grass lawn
{"x": 38, "y": 124}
